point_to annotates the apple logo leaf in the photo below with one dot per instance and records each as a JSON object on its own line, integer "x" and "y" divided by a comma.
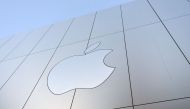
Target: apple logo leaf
{"x": 80, "y": 71}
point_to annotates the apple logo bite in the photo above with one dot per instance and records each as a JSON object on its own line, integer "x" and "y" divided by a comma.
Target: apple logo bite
{"x": 80, "y": 71}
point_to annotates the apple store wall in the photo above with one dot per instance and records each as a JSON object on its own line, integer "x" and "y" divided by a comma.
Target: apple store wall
{"x": 132, "y": 56}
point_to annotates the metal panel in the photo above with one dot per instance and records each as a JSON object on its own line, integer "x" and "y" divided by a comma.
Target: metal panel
{"x": 177, "y": 104}
{"x": 11, "y": 45}
{"x": 79, "y": 30}
{"x": 138, "y": 13}
{"x": 15, "y": 93}
{"x": 114, "y": 91}
{"x": 168, "y": 9}
{"x": 3, "y": 41}
{"x": 158, "y": 69}
{"x": 107, "y": 21}
{"x": 179, "y": 29}
{"x": 124, "y": 108}
{"x": 7, "y": 68}
{"x": 42, "y": 96}
{"x": 53, "y": 36}
{"x": 28, "y": 44}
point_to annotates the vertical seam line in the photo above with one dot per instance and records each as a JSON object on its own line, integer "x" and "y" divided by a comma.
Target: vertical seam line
{"x": 47, "y": 65}
{"x": 129, "y": 74}
{"x": 168, "y": 32}
{"x": 85, "y": 53}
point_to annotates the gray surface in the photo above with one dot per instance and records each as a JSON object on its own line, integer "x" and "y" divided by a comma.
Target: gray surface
{"x": 53, "y": 36}
{"x": 42, "y": 98}
{"x": 127, "y": 108}
{"x": 158, "y": 69}
{"x": 7, "y": 68}
{"x": 138, "y": 13}
{"x": 115, "y": 91}
{"x": 168, "y": 9}
{"x": 3, "y": 41}
{"x": 27, "y": 45}
{"x": 178, "y": 104}
{"x": 107, "y": 21}
{"x": 79, "y": 30}
{"x": 10, "y": 45}
{"x": 15, "y": 93}
{"x": 179, "y": 29}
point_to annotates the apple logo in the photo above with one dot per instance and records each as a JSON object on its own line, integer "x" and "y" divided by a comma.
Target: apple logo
{"x": 80, "y": 71}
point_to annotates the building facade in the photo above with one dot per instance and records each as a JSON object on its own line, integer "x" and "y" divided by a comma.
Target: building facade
{"x": 147, "y": 67}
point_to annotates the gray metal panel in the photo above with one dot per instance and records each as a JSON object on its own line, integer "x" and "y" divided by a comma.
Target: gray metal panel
{"x": 14, "y": 42}
{"x": 115, "y": 91}
{"x": 158, "y": 69}
{"x": 7, "y": 68}
{"x": 15, "y": 93}
{"x": 53, "y": 36}
{"x": 125, "y": 108}
{"x": 3, "y": 41}
{"x": 107, "y": 21}
{"x": 79, "y": 30}
{"x": 168, "y": 9}
{"x": 138, "y": 13}
{"x": 27, "y": 45}
{"x": 177, "y": 104}
{"x": 179, "y": 29}
{"x": 42, "y": 96}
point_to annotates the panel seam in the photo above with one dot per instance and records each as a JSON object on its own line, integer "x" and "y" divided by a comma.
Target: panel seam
{"x": 85, "y": 53}
{"x": 127, "y": 59}
{"x": 47, "y": 64}
{"x": 25, "y": 57}
{"x": 168, "y": 32}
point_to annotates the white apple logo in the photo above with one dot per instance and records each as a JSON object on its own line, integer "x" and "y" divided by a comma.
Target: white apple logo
{"x": 81, "y": 71}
